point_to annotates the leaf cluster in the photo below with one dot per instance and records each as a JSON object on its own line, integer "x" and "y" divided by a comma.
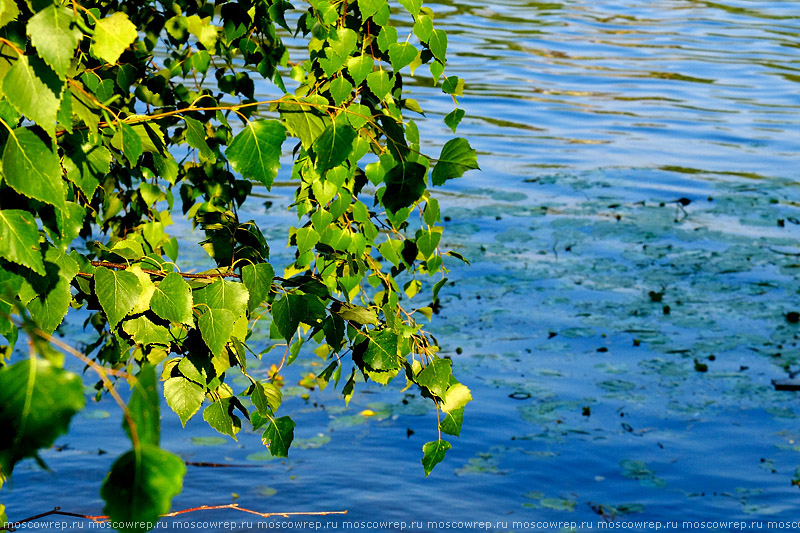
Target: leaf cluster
{"x": 115, "y": 115}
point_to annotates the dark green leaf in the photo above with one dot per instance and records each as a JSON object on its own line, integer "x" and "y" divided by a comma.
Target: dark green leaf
{"x": 196, "y": 137}
{"x": 184, "y": 397}
{"x": 140, "y": 487}
{"x": 453, "y": 118}
{"x": 279, "y": 435}
{"x": 456, "y": 158}
{"x": 117, "y": 292}
{"x": 405, "y": 184}
{"x": 19, "y": 239}
{"x": 144, "y": 407}
{"x": 333, "y": 146}
{"x": 37, "y": 402}
{"x": 292, "y": 309}
{"x": 55, "y": 37}
{"x": 172, "y": 299}
{"x": 381, "y": 353}
{"x": 256, "y": 151}
{"x": 433, "y": 454}
{"x": 32, "y": 169}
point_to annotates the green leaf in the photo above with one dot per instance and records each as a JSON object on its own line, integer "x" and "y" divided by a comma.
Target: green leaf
{"x": 433, "y": 454}
{"x": 145, "y": 332}
{"x": 359, "y": 67}
{"x": 216, "y": 327}
{"x": 333, "y": 146}
{"x": 184, "y": 397}
{"x": 266, "y": 397}
{"x": 140, "y": 487}
{"x": 451, "y": 422}
{"x": 453, "y": 85}
{"x": 292, "y": 309}
{"x": 381, "y": 353}
{"x": 223, "y": 294}
{"x": 112, "y": 35}
{"x": 34, "y": 90}
{"x": 219, "y": 416}
{"x": 128, "y": 141}
{"x": 172, "y": 299}
{"x": 196, "y": 137}
{"x": 37, "y": 402}
{"x": 438, "y": 44}
{"x": 54, "y": 36}
{"x": 405, "y": 184}
{"x": 8, "y": 12}
{"x": 32, "y": 169}
{"x": 456, "y": 158}
{"x": 258, "y": 280}
{"x": 423, "y": 28}
{"x": 412, "y": 6}
{"x": 144, "y": 407}
{"x": 453, "y": 118}
{"x": 402, "y": 54}
{"x": 48, "y": 310}
{"x": 379, "y": 83}
{"x": 306, "y": 238}
{"x": 341, "y": 89}
{"x": 436, "y": 376}
{"x": 256, "y": 151}
{"x": 455, "y": 397}
{"x": 369, "y": 7}
{"x": 19, "y": 239}
{"x": 279, "y": 435}
{"x": 305, "y": 118}
{"x": 117, "y": 292}
{"x": 357, "y": 314}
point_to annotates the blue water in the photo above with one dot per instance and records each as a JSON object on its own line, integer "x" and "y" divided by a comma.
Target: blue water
{"x": 591, "y": 403}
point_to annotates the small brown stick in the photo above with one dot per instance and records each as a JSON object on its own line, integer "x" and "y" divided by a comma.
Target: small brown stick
{"x": 12, "y": 526}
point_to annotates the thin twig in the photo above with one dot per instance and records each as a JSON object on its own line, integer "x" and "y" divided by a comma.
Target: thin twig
{"x": 12, "y": 526}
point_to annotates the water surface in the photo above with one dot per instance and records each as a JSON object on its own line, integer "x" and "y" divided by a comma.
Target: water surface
{"x": 619, "y": 344}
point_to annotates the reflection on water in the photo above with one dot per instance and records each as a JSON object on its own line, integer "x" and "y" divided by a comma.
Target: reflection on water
{"x": 633, "y": 237}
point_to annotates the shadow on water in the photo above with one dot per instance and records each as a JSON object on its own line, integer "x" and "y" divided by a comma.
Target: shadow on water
{"x": 633, "y": 238}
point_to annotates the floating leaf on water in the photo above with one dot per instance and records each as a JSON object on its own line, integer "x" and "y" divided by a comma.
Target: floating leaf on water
{"x": 311, "y": 443}
{"x": 267, "y": 492}
{"x": 559, "y": 504}
{"x": 260, "y": 456}
{"x": 209, "y": 441}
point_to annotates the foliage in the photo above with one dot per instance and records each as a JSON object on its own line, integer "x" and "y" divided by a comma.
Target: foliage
{"x": 112, "y": 112}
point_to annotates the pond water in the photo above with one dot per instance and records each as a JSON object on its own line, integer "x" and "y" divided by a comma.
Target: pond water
{"x": 634, "y": 244}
